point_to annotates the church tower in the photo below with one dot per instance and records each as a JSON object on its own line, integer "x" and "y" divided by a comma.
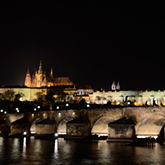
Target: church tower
{"x": 118, "y": 86}
{"x": 113, "y": 86}
{"x": 28, "y": 79}
{"x": 38, "y": 76}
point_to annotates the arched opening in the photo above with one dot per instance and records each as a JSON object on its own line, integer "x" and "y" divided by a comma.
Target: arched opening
{"x": 100, "y": 127}
{"x": 33, "y": 126}
{"x": 62, "y": 125}
{"x": 153, "y": 127}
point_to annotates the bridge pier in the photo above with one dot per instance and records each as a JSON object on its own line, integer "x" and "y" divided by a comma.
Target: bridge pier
{"x": 20, "y": 127}
{"x": 122, "y": 130}
{"x": 78, "y": 128}
{"x": 45, "y": 127}
{"x": 4, "y": 128}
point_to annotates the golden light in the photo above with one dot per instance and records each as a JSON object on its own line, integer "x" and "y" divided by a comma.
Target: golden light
{"x": 135, "y": 103}
{"x": 20, "y": 99}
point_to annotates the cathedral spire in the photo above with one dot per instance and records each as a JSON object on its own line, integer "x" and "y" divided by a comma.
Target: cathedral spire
{"x": 51, "y": 73}
{"x": 28, "y": 71}
{"x": 40, "y": 68}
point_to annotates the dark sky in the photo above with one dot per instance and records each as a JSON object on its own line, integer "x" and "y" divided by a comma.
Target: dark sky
{"x": 91, "y": 43}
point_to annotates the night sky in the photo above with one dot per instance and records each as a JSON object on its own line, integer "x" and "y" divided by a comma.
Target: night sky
{"x": 91, "y": 43}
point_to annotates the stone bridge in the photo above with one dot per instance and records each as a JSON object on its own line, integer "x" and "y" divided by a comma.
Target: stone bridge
{"x": 148, "y": 120}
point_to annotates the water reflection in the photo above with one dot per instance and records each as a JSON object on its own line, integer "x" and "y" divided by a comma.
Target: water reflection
{"x": 37, "y": 145}
{"x": 38, "y": 152}
{"x": 24, "y": 148}
{"x": 56, "y": 148}
{"x": 15, "y": 151}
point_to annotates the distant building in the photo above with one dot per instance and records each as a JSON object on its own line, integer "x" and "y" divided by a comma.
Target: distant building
{"x": 84, "y": 90}
{"x": 39, "y": 79}
{"x": 62, "y": 88}
{"x": 129, "y": 97}
{"x": 114, "y": 86}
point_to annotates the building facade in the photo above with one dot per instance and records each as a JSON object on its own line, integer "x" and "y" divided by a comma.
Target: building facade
{"x": 129, "y": 97}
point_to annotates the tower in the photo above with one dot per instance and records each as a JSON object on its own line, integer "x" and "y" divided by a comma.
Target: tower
{"x": 28, "y": 79}
{"x": 113, "y": 86}
{"x": 51, "y": 73}
{"x": 40, "y": 68}
{"x": 118, "y": 86}
{"x": 39, "y": 76}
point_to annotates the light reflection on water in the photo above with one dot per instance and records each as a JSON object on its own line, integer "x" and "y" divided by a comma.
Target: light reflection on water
{"x": 41, "y": 152}
{"x": 24, "y": 148}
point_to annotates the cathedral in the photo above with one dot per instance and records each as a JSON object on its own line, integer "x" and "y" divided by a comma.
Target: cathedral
{"x": 39, "y": 79}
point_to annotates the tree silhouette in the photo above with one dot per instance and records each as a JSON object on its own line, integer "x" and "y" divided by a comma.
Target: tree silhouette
{"x": 9, "y": 95}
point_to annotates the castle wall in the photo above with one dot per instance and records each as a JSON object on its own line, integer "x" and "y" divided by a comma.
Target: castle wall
{"x": 29, "y": 93}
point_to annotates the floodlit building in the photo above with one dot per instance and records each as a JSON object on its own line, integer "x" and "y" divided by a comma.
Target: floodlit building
{"x": 39, "y": 79}
{"x": 29, "y": 94}
{"x": 128, "y": 97}
{"x": 63, "y": 89}
{"x": 39, "y": 84}
{"x": 84, "y": 90}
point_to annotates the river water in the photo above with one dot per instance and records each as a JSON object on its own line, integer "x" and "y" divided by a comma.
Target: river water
{"x": 42, "y": 152}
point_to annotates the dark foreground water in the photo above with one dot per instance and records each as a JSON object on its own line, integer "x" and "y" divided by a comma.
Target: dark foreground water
{"x": 42, "y": 152}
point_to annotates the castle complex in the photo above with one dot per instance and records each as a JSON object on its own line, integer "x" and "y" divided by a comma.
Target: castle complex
{"x": 39, "y": 83}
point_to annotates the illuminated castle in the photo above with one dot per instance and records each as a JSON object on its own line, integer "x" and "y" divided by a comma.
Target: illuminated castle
{"x": 39, "y": 79}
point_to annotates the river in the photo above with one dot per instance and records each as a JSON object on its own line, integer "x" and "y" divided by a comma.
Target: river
{"x": 60, "y": 152}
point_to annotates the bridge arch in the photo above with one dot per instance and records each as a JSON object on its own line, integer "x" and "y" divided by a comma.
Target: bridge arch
{"x": 33, "y": 125}
{"x": 61, "y": 130}
{"x": 100, "y": 127}
{"x": 151, "y": 127}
